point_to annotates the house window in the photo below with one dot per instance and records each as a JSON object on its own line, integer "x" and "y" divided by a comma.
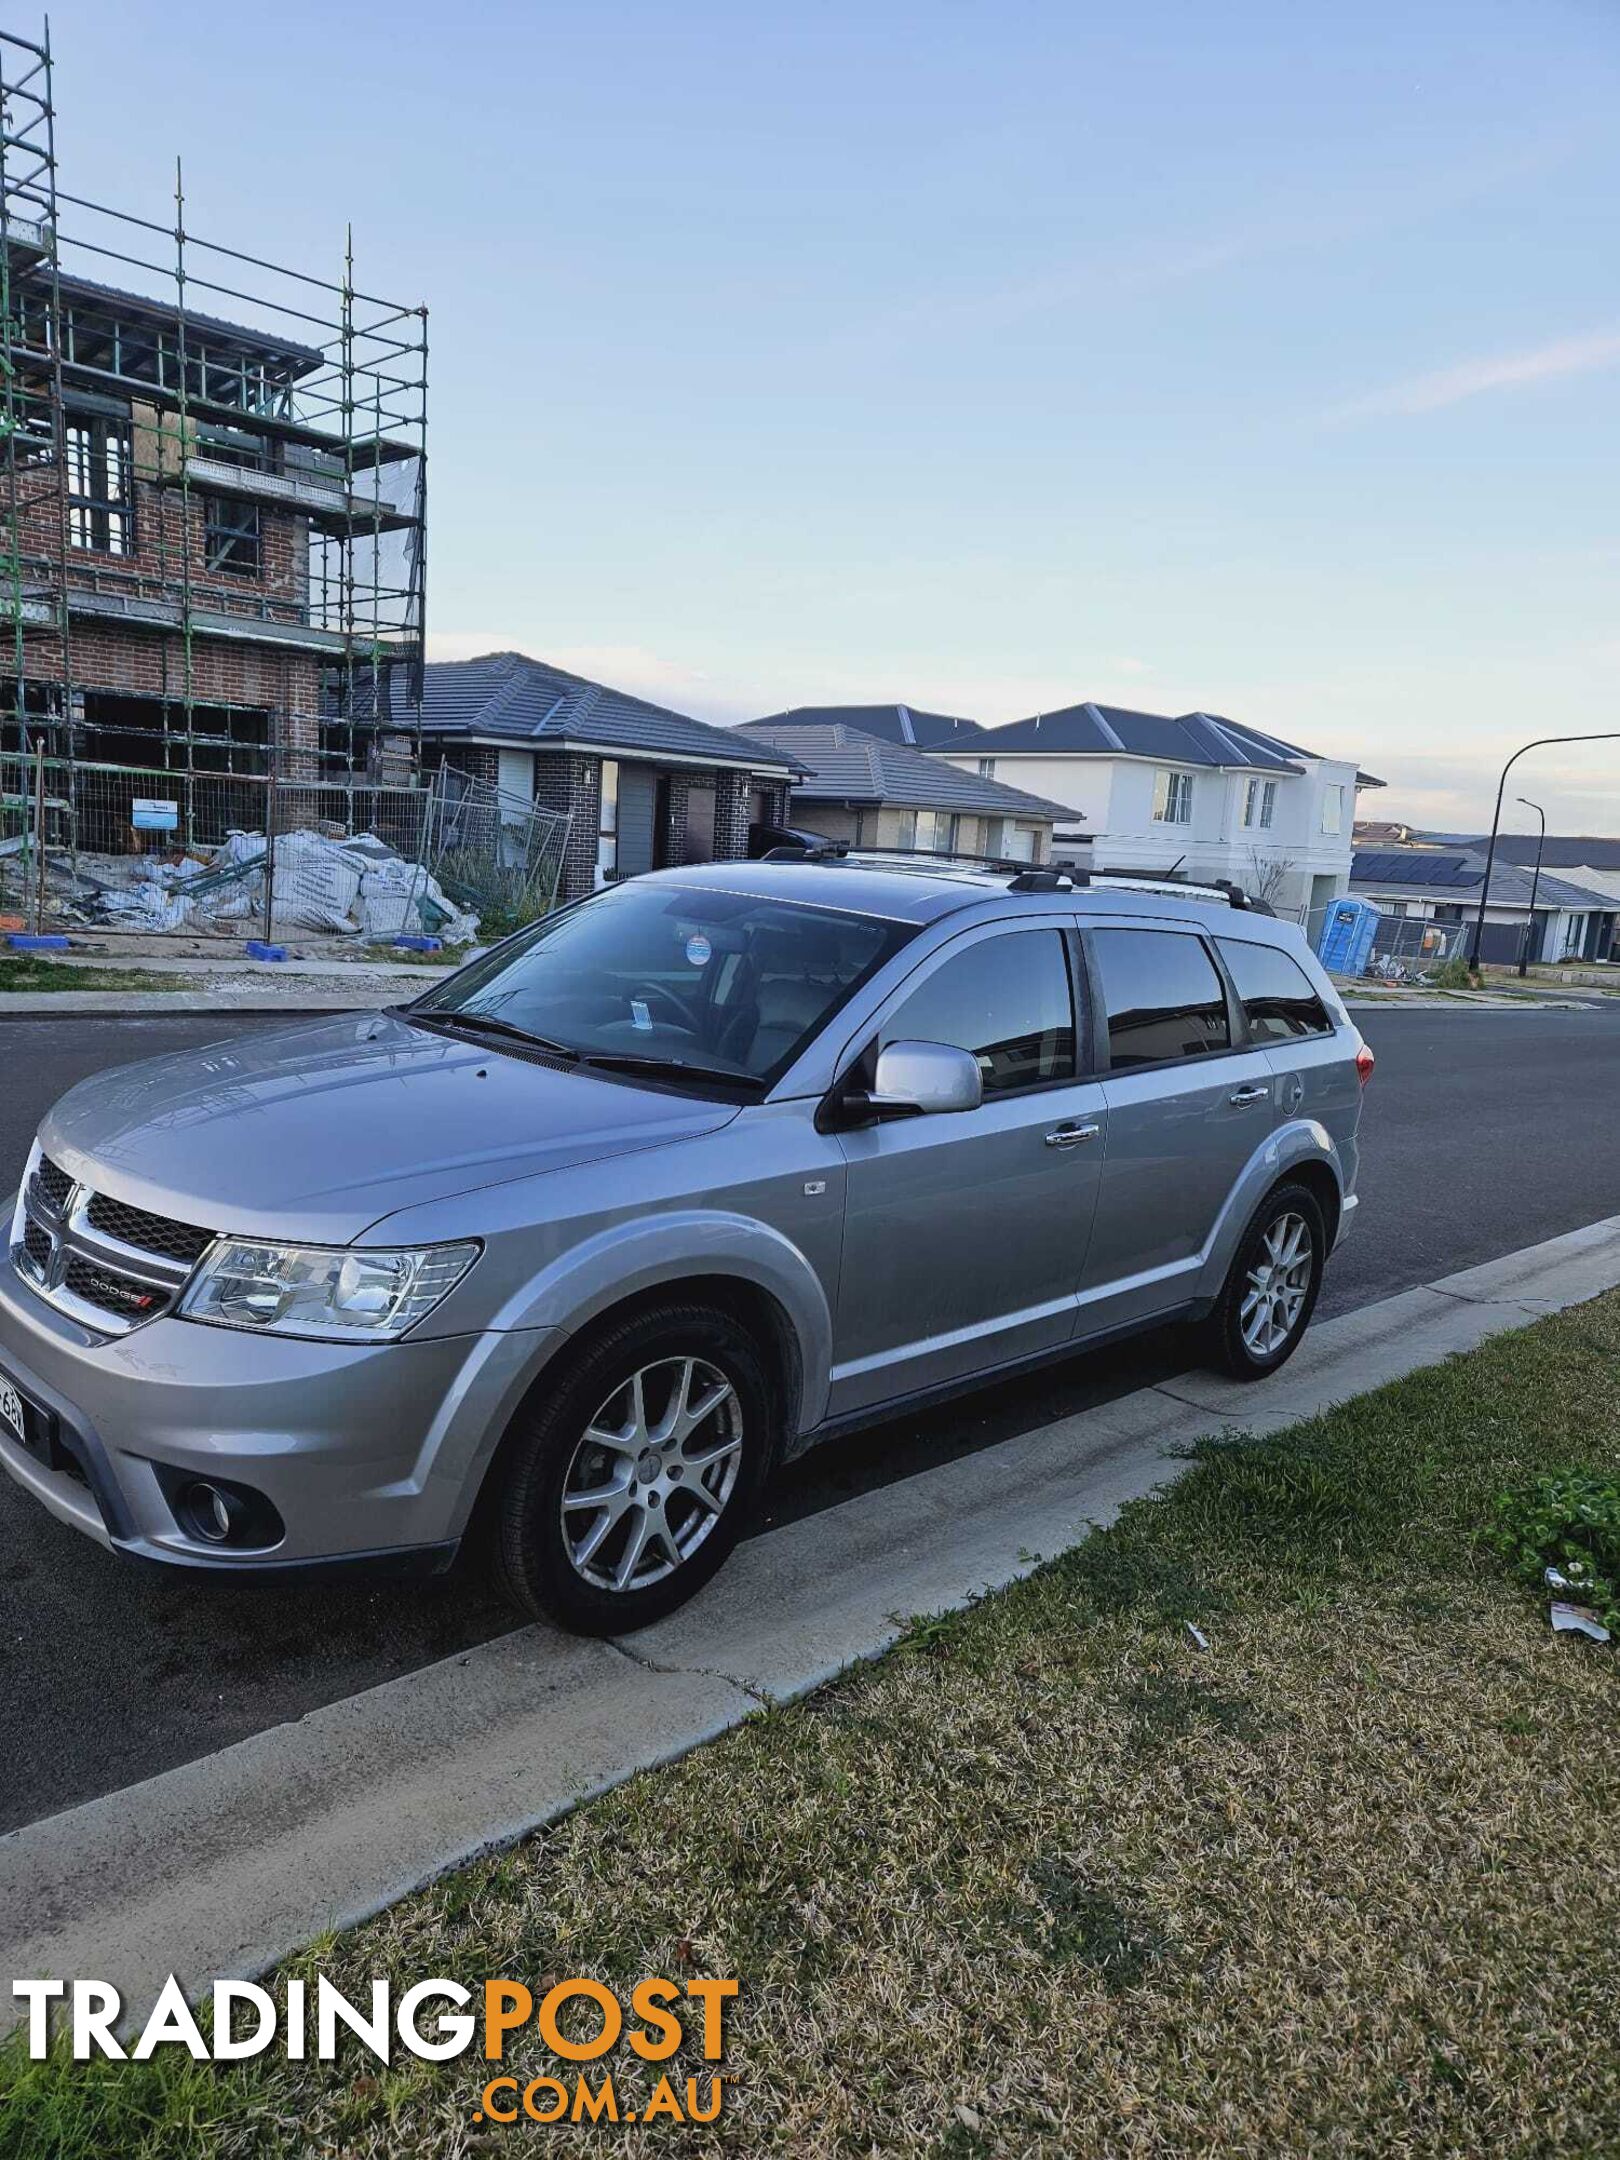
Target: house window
{"x": 231, "y": 538}
{"x": 1333, "y": 809}
{"x": 1172, "y": 798}
{"x": 607, "y": 825}
{"x": 906, "y": 829}
{"x": 1259, "y": 803}
{"x": 987, "y": 768}
{"x": 101, "y": 501}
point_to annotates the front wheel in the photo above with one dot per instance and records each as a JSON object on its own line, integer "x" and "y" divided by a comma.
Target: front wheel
{"x": 627, "y": 1487}
{"x": 1271, "y": 1291}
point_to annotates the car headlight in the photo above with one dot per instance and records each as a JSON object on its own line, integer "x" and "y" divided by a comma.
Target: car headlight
{"x": 342, "y": 1294}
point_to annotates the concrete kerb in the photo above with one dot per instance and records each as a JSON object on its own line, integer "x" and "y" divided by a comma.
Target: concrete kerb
{"x": 221, "y": 1867}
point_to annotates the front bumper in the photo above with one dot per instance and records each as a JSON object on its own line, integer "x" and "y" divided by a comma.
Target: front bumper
{"x": 365, "y": 1452}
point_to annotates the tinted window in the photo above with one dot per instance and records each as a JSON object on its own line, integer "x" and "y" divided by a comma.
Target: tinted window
{"x": 1007, "y": 1000}
{"x": 1162, "y": 995}
{"x": 1277, "y": 996}
{"x": 734, "y": 982}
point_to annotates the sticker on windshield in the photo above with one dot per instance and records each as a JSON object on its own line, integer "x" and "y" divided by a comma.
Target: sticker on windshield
{"x": 698, "y": 950}
{"x": 640, "y": 1016}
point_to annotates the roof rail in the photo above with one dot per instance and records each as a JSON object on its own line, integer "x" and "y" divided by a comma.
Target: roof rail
{"x": 826, "y": 851}
{"x": 1192, "y": 888}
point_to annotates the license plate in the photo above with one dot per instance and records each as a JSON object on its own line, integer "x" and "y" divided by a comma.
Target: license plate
{"x": 11, "y": 1413}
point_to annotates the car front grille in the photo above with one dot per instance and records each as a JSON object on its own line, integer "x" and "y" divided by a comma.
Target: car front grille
{"x": 53, "y": 1181}
{"x": 108, "y": 1264}
{"x": 153, "y": 1233}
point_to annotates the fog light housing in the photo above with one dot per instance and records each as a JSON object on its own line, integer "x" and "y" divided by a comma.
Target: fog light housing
{"x": 220, "y": 1512}
{"x": 214, "y": 1513}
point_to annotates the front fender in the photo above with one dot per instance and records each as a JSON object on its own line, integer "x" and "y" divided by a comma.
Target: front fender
{"x": 629, "y": 1258}
{"x": 1300, "y": 1141}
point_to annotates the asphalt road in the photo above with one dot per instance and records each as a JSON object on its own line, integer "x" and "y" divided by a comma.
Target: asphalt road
{"x": 1483, "y": 1133}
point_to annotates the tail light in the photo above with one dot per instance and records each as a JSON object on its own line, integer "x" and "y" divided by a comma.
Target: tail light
{"x": 1364, "y": 1064}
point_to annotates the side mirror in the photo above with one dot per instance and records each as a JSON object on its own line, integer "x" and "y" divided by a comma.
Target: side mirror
{"x": 925, "y": 1079}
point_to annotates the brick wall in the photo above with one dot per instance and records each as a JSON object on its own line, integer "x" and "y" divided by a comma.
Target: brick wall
{"x": 568, "y": 781}
{"x": 138, "y": 661}
{"x": 732, "y": 795}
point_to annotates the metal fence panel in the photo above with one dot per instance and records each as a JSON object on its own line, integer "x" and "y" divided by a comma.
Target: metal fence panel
{"x": 119, "y": 847}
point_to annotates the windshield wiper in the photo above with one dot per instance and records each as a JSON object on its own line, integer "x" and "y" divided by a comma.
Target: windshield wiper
{"x": 630, "y": 1061}
{"x": 477, "y": 1023}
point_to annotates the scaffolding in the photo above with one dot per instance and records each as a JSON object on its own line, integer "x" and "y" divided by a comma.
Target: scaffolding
{"x": 213, "y": 492}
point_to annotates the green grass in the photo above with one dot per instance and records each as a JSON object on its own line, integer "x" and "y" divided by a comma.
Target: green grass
{"x": 33, "y": 972}
{"x": 1052, "y": 1880}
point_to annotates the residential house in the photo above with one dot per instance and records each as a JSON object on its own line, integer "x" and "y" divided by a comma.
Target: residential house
{"x": 1197, "y": 794}
{"x": 1385, "y": 833}
{"x": 1442, "y": 886}
{"x": 879, "y": 792}
{"x": 903, "y": 724}
{"x": 190, "y": 547}
{"x": 645, "y": 787}
{"x": 1582, "y": 859}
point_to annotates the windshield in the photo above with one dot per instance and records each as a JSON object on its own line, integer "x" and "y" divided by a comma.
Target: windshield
{"x": 719, "y": 986}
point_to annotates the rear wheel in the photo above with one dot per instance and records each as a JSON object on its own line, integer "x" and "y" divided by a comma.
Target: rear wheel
{"x": 1271, "y": 1291}
{"x": 629, "y": 1485}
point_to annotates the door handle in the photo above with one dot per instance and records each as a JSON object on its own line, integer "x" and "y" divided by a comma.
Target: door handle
{"x": 1067, "y": 1136}
{"x": 1241, "y": 1097}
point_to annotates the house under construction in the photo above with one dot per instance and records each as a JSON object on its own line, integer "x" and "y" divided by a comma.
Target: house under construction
{"x": 212, "y": 494}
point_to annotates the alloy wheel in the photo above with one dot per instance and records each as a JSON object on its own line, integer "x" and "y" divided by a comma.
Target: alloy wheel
{"x": 652, "y": 1474}
{"x": 1277, "y": 1286}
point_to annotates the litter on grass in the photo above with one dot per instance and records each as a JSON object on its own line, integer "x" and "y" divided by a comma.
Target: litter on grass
{"x": 1576, "y": 1620}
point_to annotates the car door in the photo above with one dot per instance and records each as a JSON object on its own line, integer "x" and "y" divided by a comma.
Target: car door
{"x": 1286, "y": 1016}
{"x": 965, "y": 1232}
{"x": 1188, "y": 1102}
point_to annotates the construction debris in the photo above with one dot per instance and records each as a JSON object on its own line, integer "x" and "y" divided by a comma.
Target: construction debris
{"x": 355, "y": 886}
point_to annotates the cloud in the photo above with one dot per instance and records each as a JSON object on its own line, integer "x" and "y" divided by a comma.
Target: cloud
{"x": 1497, "y": 371}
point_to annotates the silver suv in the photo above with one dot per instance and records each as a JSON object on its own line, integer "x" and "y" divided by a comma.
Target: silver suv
{"x": 653, "y": 1195}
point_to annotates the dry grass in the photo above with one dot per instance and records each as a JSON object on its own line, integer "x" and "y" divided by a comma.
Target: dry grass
{"x": 1052, "y": 1880}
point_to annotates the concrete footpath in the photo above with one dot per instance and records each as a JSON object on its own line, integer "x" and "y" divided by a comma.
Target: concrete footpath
{"x": 225, "y": 1865}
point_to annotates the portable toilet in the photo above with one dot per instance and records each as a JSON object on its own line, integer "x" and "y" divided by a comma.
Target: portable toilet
{"x": 1348, "y": 929}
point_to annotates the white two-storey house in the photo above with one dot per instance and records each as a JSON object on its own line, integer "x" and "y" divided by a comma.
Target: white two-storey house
{"x": 1206, "y": 796}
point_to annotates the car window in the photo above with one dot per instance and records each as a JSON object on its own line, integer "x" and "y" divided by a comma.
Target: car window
{"x": 1162, "y": 996}
{"x": 733, "y": 983}
{"x": 1278, "y": 1000}
{"x": 1006, "y": 999}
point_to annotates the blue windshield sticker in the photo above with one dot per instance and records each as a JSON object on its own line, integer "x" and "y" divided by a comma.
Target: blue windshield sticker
{"x": 699, "y": 951}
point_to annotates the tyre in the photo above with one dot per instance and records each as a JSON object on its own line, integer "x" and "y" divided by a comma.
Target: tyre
{"x": 1271, "y": 1291}
{"x": 625, "y": 1487}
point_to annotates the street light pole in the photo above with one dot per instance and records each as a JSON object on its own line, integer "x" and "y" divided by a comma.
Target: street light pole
{"x": 1535, "y": 882}
{"x": 1541, "y": 742}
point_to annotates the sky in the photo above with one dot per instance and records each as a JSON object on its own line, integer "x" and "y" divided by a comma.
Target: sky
{"x": 1260, "y": 358}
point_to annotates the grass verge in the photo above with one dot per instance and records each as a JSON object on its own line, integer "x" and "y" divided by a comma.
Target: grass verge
{"x": 32, "y": 972}
{"x": 1052, "y": 1880}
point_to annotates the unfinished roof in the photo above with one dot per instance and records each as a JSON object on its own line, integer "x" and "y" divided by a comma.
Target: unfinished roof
{"x": 297, "y": 358}
{"x": 507, "y": 697}
{"x": 850, "y": 766}
{"x": 890, "y": 723}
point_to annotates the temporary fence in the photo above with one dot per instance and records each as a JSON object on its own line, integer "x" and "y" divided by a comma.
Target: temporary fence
{"x": 108, "y": 847}
{"x": 1405, "y": 945}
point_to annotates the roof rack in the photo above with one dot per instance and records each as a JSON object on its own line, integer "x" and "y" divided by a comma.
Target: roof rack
{"x": 1048, "y": 881}
{"x": 824, "y": 851}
